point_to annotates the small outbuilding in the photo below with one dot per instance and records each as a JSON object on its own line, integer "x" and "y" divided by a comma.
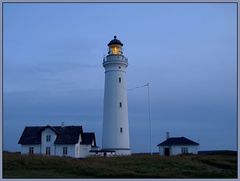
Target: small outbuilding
{"x": 177, "y": 145}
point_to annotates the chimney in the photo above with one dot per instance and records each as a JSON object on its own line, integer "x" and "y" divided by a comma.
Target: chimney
{"x": 167, "y": 135}
{"x": 62, "y": 124}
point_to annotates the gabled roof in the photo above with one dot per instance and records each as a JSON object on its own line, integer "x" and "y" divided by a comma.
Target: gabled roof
{"x": 52, "y": 128}
{"x": 177, "y": 141}
{"x": 88, "y": 138}
{"x": 68, "y": 134}
{"x": 65, "y": 135}
{"x": 31, "y": 135}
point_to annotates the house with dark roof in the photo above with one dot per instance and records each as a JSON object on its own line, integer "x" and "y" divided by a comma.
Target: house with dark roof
{"x": 57, "y": 141}
{"x": 177, "y": 145}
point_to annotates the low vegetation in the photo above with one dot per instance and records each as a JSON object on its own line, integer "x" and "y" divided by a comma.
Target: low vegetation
{"x": 135, "y": 166}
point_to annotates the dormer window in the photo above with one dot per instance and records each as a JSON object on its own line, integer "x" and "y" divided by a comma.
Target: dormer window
{"x": 48, "y": 138}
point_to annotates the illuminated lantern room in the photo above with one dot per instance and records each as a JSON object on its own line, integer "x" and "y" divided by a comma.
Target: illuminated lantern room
{"x": 115, "y": 46}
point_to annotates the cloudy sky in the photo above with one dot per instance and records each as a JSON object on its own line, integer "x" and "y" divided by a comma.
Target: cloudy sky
{"x": 52, "y": 69}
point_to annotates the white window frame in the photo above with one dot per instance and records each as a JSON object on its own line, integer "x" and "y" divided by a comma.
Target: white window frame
{"x": 65, "y": 150}
{"x": 31, "y": 150}
{"x": 184, "y": 150}
{"x": 48, "y": 138}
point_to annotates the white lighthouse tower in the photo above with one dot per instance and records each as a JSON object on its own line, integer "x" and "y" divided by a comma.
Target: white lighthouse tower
{"x": 115, "y": 115}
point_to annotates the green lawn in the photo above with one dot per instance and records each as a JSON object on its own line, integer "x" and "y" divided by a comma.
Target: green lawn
{"x": 136, "y": 166}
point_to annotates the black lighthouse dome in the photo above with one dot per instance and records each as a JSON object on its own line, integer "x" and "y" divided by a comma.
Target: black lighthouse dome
{"x": 115, "y": 41}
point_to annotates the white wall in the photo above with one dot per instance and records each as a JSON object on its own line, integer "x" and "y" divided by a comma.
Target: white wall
{"x": 77, "y": 147}
{"x": 50, "y": 144}
{"x": 84, "y": 150}
{"x": 115, "y": 117}
{"x": 161, "y": 150}
{"x": 77, "y": 150}
{"x": 123, "y": 152}
{"x": 25, "y": 149}
{"x": 175, "y": 150}
{"x": 178, "y": 149}
{"x": 70, "y": 150}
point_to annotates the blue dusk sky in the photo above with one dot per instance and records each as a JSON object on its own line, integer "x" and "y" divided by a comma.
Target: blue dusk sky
{"x": 53, "y": 73}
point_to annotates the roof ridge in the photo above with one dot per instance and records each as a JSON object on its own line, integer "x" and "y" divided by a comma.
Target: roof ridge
{"x": 177, "y": 137}
{"x": 178, "y": 141}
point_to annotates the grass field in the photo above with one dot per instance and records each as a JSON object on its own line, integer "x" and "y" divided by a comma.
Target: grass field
{"x": 136, "y": 166}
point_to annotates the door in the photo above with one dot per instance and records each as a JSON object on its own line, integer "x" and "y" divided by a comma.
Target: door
{"x": 166, "y": 151}
{"x": 48, "y": 150}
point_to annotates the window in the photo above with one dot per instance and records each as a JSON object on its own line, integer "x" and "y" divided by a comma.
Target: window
{"x": 184, "y": 149}
{"x": 48, "y": 138}
{"x": 120, "y": 104}
{"x": 64, "y": 150}
{"x": 31, "y": 150}
{"x": 115, "y": 49}
{"x": 119, "y": 79}
{"x": 121, "y": 130}
{"x": 48, "y": 150}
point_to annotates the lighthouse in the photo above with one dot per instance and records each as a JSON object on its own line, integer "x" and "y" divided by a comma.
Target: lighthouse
{"x": 115, "y": 136}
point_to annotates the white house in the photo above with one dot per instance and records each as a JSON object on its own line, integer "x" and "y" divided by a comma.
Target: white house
{"x": 177, "y": 145}
{"x": 57, "y": 141}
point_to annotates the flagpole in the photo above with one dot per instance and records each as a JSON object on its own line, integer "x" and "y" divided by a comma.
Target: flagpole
{"x": 149, "y": 117}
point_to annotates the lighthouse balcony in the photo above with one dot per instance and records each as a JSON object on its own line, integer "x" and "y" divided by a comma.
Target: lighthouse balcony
{"x": 115, "y": 59}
